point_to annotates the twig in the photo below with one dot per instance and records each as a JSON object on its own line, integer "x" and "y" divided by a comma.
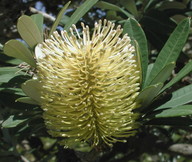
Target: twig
{"x": 45, "y": 15}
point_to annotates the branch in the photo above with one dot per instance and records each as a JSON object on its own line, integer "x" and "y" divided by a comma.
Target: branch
{"x": 45, "y": 15}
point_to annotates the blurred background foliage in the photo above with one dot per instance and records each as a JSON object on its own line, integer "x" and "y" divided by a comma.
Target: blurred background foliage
{"x": 26, "y": 139}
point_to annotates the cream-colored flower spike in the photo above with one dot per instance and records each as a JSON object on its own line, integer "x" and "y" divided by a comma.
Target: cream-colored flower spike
{"x": 89, "y": 84}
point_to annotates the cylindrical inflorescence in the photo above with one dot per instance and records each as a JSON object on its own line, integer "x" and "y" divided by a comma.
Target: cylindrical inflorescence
{"x": 89, "y": 84}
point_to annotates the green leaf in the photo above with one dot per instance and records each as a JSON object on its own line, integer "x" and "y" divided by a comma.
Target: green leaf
{"x": 138, "y": 59}
{"x": 180, "y": 97}
{"x": 149, "y": 68}
{"x": 32, "y": 89}
{"x": 171, "y": 49}
{"x": 183, "y": 110}
{"x": 82, "y": 10}
{"x": 147, "y": 95}
{"x": 58, "y": 19}
{"x": 6, "y": 70}
{"x": 27, "y": 100}
{"x": 12, "y": 122}
{"x": 183, "y": 72}
{"x": 14, "y": 61}
{"x": 130, "y": 6}
{"x": 134, "y": 30}
{"x": 163, "y": 74}
{"x": 38, "y": 20}
{"x": 16, "y": 91}
{"x": 5, "y": 78}
{"x": 11, "y": 60}
{"x": 16, "y": 49}
{"x": 64, "y": 20}
{"x": 7, "y": 73}
{"x": 109, "y": 6}
{"x": 29, "y": 31}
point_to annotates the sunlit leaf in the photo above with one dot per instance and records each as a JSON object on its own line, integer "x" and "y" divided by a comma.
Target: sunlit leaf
{"x": 29, "y": 31}
{"x": 6, "y": 77}
{"x": 171, "y": 49}
{"x": 163, "y": 74}
{"x": 27, "y": 100}
{"x": 138, "y": 59}
{"x": 183, "y": 110}
{"x": 38, "y": 19}
{"x": 58, "y": 19}
{"x": 64, "y": 20}
{"x": 180, "y": 97}
{"x": 7, "y": 73}
{"x": 16, "y": 91}
{"x": 149, "y": 68}
{"x": 12, "y": 122}
{"x": 17, "y": 49}
{"x": 183, "y": 72}
{"x": 81, "y": 10}
{"x": 13, "y": 61}
{"x": 134, "y": 30}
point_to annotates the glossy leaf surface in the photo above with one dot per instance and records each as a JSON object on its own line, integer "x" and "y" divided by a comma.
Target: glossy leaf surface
{"x": 180, "y": 97}
{"x": 163, "y": 74}
{"x": 134, "y": 30}
{"x": 182, "y": 73}
{"x": 171, "y": 49}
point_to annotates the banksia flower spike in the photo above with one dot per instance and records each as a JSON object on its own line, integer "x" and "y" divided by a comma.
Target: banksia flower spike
{"x": 89, "y": 84}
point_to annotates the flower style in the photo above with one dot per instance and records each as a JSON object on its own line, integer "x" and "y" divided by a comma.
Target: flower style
{"x": 89, "y": 84}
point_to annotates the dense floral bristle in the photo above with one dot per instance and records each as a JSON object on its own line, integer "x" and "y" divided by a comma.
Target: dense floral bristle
{"x": 89, "y": 84}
